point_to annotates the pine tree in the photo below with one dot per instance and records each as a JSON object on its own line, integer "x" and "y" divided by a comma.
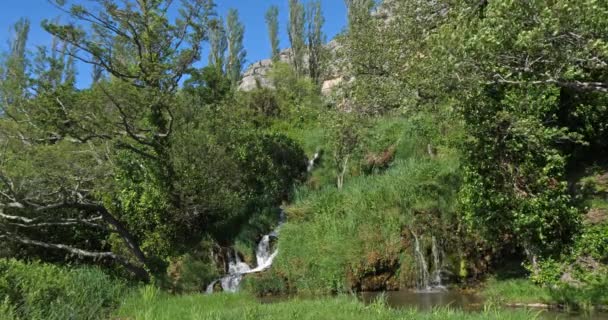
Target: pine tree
{"x": 272, "y": 21}
{"x": 236, "y": 52}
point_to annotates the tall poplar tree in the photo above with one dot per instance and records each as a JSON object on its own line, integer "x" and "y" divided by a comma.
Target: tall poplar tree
{"x": 272, "y": 22}
{"x": 315, "y": 38}
{"x": 235, "y": 32}
{"x": 13, "y": 73}
{"x": 218, "y": 43}
{"x": 296, "y": 35}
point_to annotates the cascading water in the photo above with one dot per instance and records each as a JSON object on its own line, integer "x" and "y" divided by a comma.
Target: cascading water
{"x": 423, "y": 274}
{"x": 437, "y": 266}
{"x": 210, "y": 287}
{"x": 428, "y": 281}
{"x": 237, "y": 268}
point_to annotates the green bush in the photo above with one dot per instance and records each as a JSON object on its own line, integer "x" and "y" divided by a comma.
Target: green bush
{"x": 265, "y": 283}
{"x": 43, "y": 291}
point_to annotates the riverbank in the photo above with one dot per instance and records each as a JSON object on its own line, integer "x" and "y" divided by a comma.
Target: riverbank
{"x": 151, "y": 304}
{"x": 524, "y": 293}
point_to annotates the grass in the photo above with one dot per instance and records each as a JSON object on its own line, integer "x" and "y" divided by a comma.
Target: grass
{"x": 516, "y": 291}
{"x": 334, "y": 236}
{"x": 150, "y": 304}
{"x": 333, "y": 232}
{"x": 46, "y": 292}
{"x": 525, "y": 292}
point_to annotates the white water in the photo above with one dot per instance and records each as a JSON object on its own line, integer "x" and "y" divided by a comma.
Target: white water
{"x": 313, "y": 161}
{"x": 237, "y": 268}
{"x": 423, "y": 274}
{"x": 428, "y": 280}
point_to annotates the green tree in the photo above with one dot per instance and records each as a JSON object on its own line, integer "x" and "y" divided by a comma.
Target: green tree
{"x": 272, "y": 22}
{"x": 296, "y": 33}
{"x": 13, "y": 72}
{"x": 316, "y": 38}
{"x": 93, "y": 140}
{"x": 218, "y": 44}
{"x": 235, "y": 31}
{"x": 525, "y": 75}
{"x": 346, "y": 137}
{"x": 356, "y": 9}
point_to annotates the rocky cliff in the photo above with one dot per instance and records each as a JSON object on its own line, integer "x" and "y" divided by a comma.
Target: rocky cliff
{"x": 257, "y": 73}
{"x": 335, "y": 66}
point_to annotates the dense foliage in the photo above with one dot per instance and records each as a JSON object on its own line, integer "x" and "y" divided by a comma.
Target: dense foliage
{"x": 42, "y": 291}
{"x": 471, "y": 131}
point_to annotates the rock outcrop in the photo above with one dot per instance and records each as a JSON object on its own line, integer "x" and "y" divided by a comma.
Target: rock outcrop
{"x": 257, "y": 74}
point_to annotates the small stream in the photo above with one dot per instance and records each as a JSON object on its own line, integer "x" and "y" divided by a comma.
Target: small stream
{"x": 237, "y": 269}
{"x": 426, "y": 301}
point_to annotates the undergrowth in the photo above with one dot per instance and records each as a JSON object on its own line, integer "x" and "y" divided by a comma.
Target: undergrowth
{"x": 151, "y": 304}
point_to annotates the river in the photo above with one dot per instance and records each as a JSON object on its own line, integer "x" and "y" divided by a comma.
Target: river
{"x": 456, "y": 299}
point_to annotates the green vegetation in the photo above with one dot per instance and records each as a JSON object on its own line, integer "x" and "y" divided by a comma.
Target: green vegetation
{"x": 454, "y": 140}
{"x": 151, "y": 304}
{"x": 516, "y": 291}
{"x": 46, "y": 292}
{"x": 334, "y": 236}
{"x": 523, "y": 291}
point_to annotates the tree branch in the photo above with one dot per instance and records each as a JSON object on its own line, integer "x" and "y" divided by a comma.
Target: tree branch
{"x": 36, "y": 223}
{"x": 574, "y": 84}
{"x": 138, "y": 271}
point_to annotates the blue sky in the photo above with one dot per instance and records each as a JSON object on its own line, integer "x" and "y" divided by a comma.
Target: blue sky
{"x": 251, "y": 14}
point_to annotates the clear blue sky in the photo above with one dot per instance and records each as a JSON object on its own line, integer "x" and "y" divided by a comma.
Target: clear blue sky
{"x": 251, "y": 14}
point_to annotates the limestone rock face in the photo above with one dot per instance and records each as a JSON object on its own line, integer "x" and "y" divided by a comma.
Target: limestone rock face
{"x": 257, "y": 74}
{"x": 335, "y": 68}
{"x": 328, "y": 85}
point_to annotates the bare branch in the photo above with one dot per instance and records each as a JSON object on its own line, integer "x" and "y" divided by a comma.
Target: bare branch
{"x": 24, "y": 222}
{"x": 573, "y": 84}
{"x": 139, "y": 271}
{"x": 75, "y": 251}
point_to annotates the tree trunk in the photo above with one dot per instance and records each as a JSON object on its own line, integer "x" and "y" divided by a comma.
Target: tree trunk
{"x": 532, "y": 257}
{"x": 342, "y": 173}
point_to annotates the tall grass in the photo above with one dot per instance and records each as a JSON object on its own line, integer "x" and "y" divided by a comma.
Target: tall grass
{"x": 524, "y": 291}
{"x": 332, "y": 236}
{"x": 331, "y": 232}
{"x": 153, "y": 305}
{"x": 46, "y": 292}
{"x": 515, "y": 291}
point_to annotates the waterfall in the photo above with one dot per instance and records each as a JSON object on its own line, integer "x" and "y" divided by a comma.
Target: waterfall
{"x": 313, "y": 161}
{"x": 437, "y": 265}
{"x": 237, "y": 268}
{"x": 210, "y": 287}
{"x": 423, "y": 273}
{"x": 428, "y": 280}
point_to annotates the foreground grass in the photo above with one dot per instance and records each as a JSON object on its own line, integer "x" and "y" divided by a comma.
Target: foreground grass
{"x": 514, "y": 291}
{"x": 39, "y": 291}
{"x": 150, "y": 304}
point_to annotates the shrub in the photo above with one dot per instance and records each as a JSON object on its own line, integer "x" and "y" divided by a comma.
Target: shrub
{"x": 43, "y": 291}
